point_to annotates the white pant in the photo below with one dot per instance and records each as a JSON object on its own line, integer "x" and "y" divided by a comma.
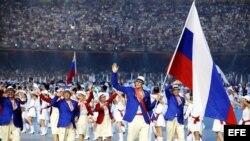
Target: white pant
{"x": 66, "y": 134}
{"x": 138, "y": 128}
{"x": 173, "y": 126}
{"x": 10, "y": 132}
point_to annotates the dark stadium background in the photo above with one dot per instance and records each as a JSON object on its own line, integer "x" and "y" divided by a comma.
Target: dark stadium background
{"x": 141, "y": 35}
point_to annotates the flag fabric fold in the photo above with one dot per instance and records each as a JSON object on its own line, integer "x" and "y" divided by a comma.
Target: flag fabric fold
{"x": 72, "y": 72}
{"x": 193, "y": 65}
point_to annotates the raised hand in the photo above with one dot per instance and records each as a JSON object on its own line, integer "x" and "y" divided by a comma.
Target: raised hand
{"x": 115, "y": 68}
{"x": 177, "y": 82}
{"x": 90, "y": 86}
{"x": 59, "y": 94}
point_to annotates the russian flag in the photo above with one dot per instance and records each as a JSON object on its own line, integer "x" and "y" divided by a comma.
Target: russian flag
{"x": 72, "y": 71}
{"x": 193, "y": 65}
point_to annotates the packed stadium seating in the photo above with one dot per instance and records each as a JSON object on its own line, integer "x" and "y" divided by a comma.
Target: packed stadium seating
{"x": 122, "y": 25}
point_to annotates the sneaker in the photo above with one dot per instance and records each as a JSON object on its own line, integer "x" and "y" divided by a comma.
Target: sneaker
{"x": 123, "y": 129}
{"x": 77, "y": 136}
{"x": 86, "y": 138}
{"x": 23, "y": 131}
{"x": 32, "y": 132}
{"x": 43, "y": 134}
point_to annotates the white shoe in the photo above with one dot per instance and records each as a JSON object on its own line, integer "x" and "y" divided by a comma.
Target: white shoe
{"x": 86, "y": 138}
{"x": 77, "y": 136}
{"x": 32, "y": 132}
{"x": 43, "y": 131}
{"x": 94, "y": 139}
{"x": 123, "y": 129}
{"x": 23, "y": 131}
{"x": 43, "y": 134}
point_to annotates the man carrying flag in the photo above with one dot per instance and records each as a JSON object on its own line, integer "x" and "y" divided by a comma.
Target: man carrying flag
{"x": 193, "y": 65}
{"x": 72, "y": 71}
{"x": 174, "y": 114}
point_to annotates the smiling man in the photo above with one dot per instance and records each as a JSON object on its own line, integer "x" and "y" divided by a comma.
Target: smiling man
{"x": 68, "y": 114}
{"x": 11, "y": 122}
{"x": 138, "y": 108}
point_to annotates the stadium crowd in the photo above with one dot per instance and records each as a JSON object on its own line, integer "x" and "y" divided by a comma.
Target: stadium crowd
{"x": 120, "y": 25}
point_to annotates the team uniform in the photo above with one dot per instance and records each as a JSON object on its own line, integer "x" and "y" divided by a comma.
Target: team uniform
{"x": 68, "y": 110}
{"x": 54, "y": 115}
{"x": 104, "y": 125}
{"x": 245, "y": 120}
{"x": 160, "y": 121}
{"x": 174, "y": 115}
{"x": 218, "y": 125}
{"x": 138, "y": 110}
{"x": 85, "y": 112}
{"x": 11, "y": 122}
{"x": 119, "y": 111}
{"x": 32, "y": 108}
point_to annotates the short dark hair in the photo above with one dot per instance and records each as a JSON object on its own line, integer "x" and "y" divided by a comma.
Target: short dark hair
{"x": 30, "y": 79}
{"x": 67, "y": 91}
{"x": 104, "y": 88}
{"x": 156, "y": 89}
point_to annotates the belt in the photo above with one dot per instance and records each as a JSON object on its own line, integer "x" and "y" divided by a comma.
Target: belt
{"x": 138, "y": 113}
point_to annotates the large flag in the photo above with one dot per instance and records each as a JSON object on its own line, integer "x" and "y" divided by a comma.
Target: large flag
{"x": 72, "y": 72}
{"x": 193, "y": 65}
{"x": 223, "y": 76}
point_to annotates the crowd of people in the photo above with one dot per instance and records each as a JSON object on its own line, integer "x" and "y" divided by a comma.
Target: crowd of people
{"x": 129, "y": 101}
{"x": 120, "y": 25}
{"x": 71, "y": 109}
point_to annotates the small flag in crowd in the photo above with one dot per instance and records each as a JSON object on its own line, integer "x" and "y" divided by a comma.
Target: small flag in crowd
{"x": 72, "y": 72}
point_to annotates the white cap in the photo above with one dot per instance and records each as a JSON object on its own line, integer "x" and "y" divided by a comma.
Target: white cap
{"x": 80, "y": 92}
{"x": 82, "y": 86}
{"x": 230, "y": 88}
{"x": 175, "y": 86}
{"x": 35, "y": 85}
{"x": 247, "y": 97}
{"x": 106, "y": 84}
{"x": 141, "y": 78}
{"x": 10, "y": 87}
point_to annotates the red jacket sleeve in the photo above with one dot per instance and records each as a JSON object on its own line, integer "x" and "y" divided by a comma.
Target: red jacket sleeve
{"x": 98, "y": 107}
{"x": 91, "y": 96}
{"x": 89, "y": 109}
{"x": 111, "y": 98}
{"x": 46, "y": 99}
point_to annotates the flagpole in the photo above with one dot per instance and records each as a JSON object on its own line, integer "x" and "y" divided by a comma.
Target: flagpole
{"x": 172, "y": 59}
{"x": 75, "y": 66}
